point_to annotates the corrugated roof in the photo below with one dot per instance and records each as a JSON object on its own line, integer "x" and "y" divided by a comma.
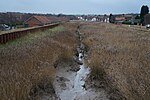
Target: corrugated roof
{"x": 42, "y": 19}
{"x": 119, "y": 18}
{"x": 47, "y": 19}
{"x": 52, "y": 18}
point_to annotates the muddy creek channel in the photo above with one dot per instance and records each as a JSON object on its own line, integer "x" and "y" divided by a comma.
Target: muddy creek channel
{"x": 69, "y": 83}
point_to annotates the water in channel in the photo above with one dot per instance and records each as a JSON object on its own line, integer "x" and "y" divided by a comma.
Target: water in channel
{"x": 73, "y": 84}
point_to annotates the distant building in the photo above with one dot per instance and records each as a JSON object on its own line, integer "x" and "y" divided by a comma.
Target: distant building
{"x": 36, "y": 21}
{"x": 43, "y": 20}
{"x": 80, "y": 18}
{"x": 119, "y": 19}
{"x": 128, "y": 17}
{"x": 147, "y": 19}
{"x": 94, "y": 19}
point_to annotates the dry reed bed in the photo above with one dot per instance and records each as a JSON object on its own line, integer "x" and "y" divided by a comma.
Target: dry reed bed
{"x": 27, "y": 64}
{"x": 121, "y": 56}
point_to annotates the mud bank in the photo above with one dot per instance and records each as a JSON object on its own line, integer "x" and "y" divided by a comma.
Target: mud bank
{"x": 74, "y": 81}
{"x": 72, "y": 77}
{"x": 69, "y": 83}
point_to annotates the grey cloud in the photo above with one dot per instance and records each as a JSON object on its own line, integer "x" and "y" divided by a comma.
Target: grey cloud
{"x": 74, "y": 6}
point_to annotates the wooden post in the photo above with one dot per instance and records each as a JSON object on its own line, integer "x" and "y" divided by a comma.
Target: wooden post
{"x": 1, "y": 39}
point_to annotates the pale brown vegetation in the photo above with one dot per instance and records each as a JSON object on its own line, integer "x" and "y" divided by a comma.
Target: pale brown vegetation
{"x": 27, "y": 64}
{"x": 121, "y": 55}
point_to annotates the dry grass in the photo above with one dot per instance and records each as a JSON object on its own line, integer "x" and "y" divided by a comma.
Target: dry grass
{"x": 122, "y": 56}
{"x": 27, "y": 64}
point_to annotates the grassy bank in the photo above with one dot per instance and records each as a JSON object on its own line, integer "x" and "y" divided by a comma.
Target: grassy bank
{"x": 121, "y": 56}
{"x": 27, "y": 64}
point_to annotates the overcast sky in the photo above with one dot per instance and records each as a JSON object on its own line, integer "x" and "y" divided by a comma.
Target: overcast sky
{"x": 73, "y": 6}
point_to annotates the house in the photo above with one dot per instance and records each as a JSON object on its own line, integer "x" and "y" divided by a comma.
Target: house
{"x": 36, "y": 21}
{"x": 147, "y": 19}
{"x": 128, "y": 17}
{"x": 94, "y": 19}
{"x": 43, "y": 20}
{"x": 62, "y": 19}
{"x": 119, "y": 19}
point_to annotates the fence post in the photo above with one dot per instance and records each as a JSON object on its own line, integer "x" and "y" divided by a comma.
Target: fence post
{"x": 4, "y": 37}
{"x": 1, "y": 39}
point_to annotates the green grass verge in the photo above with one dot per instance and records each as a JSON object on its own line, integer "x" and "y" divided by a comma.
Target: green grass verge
{"x": 32, "y": 36}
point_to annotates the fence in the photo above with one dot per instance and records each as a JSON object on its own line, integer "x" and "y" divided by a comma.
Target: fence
{"x": 8, "y": 36}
